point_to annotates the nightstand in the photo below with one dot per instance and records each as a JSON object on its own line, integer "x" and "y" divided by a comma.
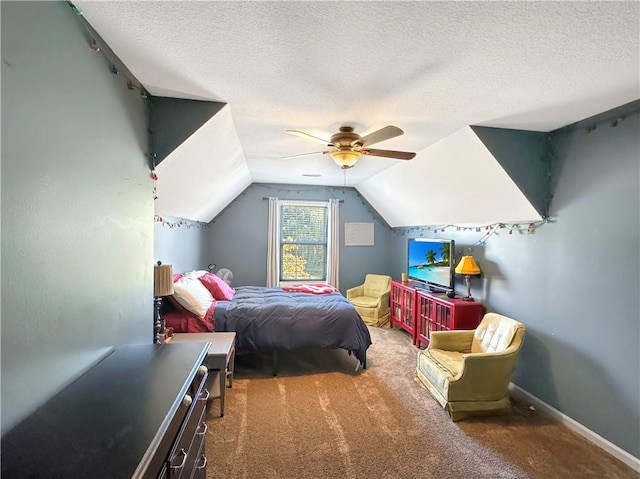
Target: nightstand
{"x": 220, "y": 359}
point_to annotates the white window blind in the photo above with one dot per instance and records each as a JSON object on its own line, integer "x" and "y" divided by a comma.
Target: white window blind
{"x": 303, "y": 241}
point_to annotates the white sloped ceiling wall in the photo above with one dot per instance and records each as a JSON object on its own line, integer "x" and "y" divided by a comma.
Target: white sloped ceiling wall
{"x": 455, "y": 181}
{"x": 204, "y": 174}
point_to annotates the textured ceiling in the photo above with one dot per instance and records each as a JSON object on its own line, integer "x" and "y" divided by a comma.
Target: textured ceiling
{"x": 430, "y": 68}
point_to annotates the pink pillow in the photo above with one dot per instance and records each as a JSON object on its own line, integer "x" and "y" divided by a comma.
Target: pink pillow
{"x": 217, "y": 287}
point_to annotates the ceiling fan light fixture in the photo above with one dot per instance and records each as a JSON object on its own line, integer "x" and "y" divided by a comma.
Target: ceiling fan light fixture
{"x": 345, "y": 158}
{"x": 346, "y": 146}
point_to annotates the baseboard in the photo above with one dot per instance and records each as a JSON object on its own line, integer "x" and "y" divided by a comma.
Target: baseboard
{"x": 620, "y": 454}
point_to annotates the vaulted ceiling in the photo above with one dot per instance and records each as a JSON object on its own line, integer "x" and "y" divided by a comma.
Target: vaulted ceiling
{"x": 434, "y": 69}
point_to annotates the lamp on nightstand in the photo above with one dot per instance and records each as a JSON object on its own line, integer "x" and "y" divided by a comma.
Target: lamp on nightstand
{"x": 162, "y": 286}
{"x": 468, "y": 267}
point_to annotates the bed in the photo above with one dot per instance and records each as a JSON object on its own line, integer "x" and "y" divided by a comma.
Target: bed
{"x": 271, "y": 319}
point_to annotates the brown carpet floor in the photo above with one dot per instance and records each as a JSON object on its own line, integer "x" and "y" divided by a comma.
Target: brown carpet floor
{"x": 319, "y": 419}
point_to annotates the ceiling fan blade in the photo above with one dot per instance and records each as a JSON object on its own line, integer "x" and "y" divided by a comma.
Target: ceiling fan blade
{"x": 384, "y": 133}
{"x": 305, "y": 154}
{"x": 399, "y": 155}
{"x": 302, "y": 134}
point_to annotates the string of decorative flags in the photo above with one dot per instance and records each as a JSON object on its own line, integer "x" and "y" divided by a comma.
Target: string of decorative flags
{"x": 487, "y": 230}
{"x": 179, "y": 223}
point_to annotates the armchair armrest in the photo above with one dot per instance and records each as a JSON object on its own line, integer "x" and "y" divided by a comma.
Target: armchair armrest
{"x": 383, "y": 302}
{"x": 383, "y": 298}
{"x": 355, "y": 291}
{"x": 459, "y": 340}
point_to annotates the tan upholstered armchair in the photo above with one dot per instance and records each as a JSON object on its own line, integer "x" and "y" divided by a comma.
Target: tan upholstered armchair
{"x": 371, "y": 299}
{"x": 469, "y": 371}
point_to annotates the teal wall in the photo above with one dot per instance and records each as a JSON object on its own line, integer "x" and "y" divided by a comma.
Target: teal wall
{"x": 524, "y": 155}
{"x": 181, "y": 243}
{"x": 77, "y": 207}
{"x": 238, "y": 235}
{"x": 575, "y": 281}
{"x": 173, "y": 120}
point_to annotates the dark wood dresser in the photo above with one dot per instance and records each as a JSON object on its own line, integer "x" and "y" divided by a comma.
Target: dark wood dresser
{"x": 140, "y": 412}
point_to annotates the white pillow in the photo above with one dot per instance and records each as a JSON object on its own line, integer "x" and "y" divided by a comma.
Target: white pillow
{"x": 194, "y": 274}
{"x": 192, "y": 294}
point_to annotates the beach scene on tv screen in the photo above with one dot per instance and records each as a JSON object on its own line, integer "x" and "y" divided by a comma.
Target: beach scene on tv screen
{"x": 429, "y": 261}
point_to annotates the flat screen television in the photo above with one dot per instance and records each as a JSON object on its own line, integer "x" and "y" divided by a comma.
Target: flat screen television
{"x": 431, "y": 261}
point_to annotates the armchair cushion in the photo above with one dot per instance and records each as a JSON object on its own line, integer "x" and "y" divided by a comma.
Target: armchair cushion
{"x": 443, "y": 363}
{"x": 376, "y": 284}
{"x": 494, "y": 334}
{"x": 365, "y": 301}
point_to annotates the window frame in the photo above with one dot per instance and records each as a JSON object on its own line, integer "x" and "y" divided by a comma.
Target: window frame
{"x": 312, "y": 203}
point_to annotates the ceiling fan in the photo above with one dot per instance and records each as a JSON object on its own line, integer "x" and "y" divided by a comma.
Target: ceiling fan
{"x": 347, "y": 146}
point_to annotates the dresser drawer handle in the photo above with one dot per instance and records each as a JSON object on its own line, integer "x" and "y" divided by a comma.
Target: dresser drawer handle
{"x": 204, "y": 463}
{"x": 184, "y": 459}
{"x": 204, "y": 396}
{"x": 186, "y": 402}
{"x": 205, "y": 427}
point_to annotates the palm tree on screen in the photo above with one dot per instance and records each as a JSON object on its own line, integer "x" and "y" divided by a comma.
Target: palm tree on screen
{"x": 446, "y": 252}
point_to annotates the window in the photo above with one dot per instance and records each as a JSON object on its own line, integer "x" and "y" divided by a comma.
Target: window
{"x": 303, "y": 241}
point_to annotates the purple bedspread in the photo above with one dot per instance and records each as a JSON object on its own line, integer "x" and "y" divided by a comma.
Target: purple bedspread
{"x": 270, "y": 318}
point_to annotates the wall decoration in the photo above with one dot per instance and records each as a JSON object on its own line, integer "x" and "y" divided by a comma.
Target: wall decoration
{"x": 154, "y": 177}
{"x": 359, "y": 234}
{"x": 179, "y": 223}
{"x": 487, "y": 231}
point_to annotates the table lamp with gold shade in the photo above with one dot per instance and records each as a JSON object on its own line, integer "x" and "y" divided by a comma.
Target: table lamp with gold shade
{"x": 468, "y": 267}
{"x": 162, "y": 286}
